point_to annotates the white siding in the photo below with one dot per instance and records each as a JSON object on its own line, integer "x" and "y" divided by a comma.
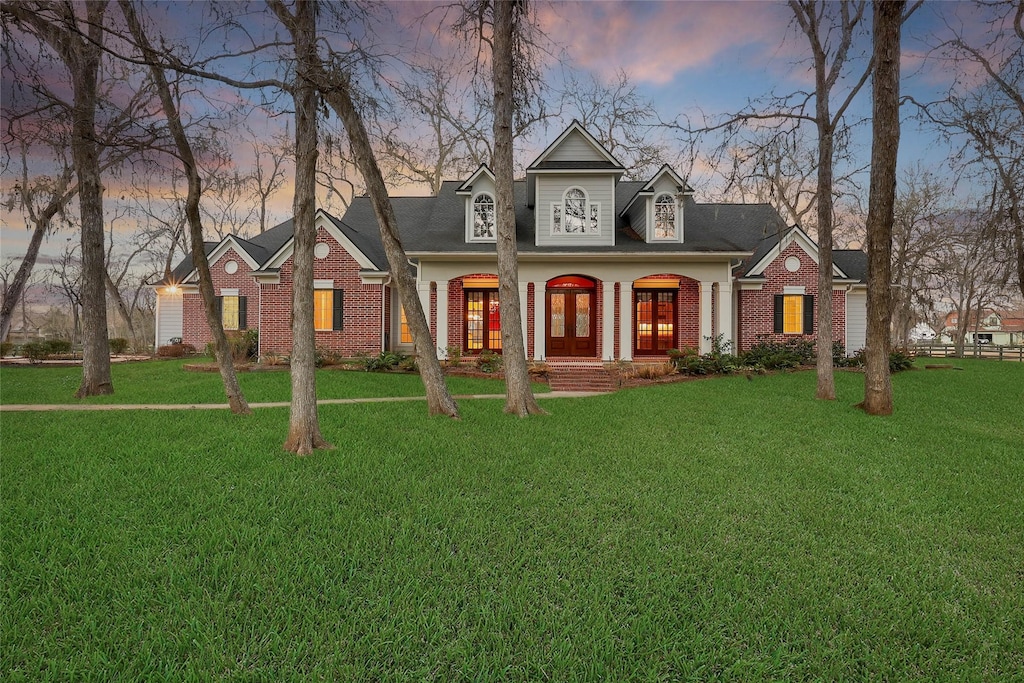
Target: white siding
{"x": 575, "y": 147}
{"x": 856, "y": 319}
{"x": 600, "y": 189}
{"x": 638, "y": 217}
{"x": 169, "y": 318}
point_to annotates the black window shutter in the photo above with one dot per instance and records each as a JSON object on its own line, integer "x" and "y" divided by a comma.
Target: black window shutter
{"x": 242, "y": 312}
{"x": 218, "y": 308}
{"x": 808, "y": 314}
{"x": 780, "y": 302}
{"x": 339, "y": 306}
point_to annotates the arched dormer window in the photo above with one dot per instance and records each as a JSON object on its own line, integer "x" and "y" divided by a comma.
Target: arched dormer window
{"x": 483, "y": 217}
{"x": 665, "y": 217}
{"x": 576, "y": 215}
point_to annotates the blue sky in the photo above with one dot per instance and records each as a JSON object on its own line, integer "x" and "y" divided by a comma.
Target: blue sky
{"x": 688, "y": 58}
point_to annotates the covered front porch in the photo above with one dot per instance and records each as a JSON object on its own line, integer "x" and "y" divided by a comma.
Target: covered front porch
{"x": 600, "y": 309}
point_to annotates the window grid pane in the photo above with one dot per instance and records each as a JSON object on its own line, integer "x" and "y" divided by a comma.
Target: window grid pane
{"x": 323, "y": 309}
{"x": 404, "y": 331}
{"x": 665, "y": 320}
{"x": 483, "y": 217}
{"x": 493, "y": 323}
{"x": 557, "y": 314}
{"x": 583, "y": 314}
{"x": 229, "y": 312}
{"x": 643, "y": 321}
{"x": 793, "y": 314}
{"x": 474, "y": 320}
{"x": 665, "y": 217}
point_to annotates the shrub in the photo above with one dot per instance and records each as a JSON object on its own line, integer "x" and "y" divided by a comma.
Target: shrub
{"x": 34, "y": 351}
{"x": 383, "y": 362}
{"x": 56, "y": 347}
{"x": 118, "y": 345}
{"x": 453, "y": 355}
{"x": 716, "y": 362}
{"x": 488, "y": 361}
{"x": 6, "y": 348}
{"x": 408, "y": 363}
{"x": 274, "y": 359}
{"x": 650, "y": 370}
{"x": 244, "y": 344}
{"x": 899, "y": 361}
{"x": 175, "y": 350}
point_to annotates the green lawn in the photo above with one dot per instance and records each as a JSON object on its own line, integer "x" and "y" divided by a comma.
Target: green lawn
{"x": 165, "y": 382}
{"x": 712, "y": 530}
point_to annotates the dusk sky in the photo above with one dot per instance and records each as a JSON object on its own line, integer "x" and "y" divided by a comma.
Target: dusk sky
{"x": 688, "y": 58}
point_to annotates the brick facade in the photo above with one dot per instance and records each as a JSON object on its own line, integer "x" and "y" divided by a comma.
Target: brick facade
{"x": 362, "y": 306}
{"x": 755, "y": 308}
{"x": 194, "y": 329}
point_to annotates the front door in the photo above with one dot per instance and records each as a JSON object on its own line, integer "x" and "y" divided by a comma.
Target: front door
{"x": 571, "y": 328}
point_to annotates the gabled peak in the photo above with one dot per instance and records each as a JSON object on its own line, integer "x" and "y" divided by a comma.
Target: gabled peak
{"x": 666, "y": 170}
{"x": 482, "y": 172}
{"x": 576, "y": 145}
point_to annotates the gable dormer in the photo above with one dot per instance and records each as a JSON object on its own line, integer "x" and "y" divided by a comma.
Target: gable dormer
{"x": 571, "y": 187}
{"x": 478, "y": 191}
{"x": 656, "y": 211}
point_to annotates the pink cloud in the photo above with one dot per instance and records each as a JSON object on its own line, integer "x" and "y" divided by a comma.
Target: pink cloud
{"x": 655, "y": 42}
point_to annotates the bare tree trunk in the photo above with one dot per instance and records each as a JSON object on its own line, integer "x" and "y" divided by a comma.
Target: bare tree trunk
{"x": 519, "y": 398}
{"x": 304, "y": 424}
{"x": 439, "y": 399}
{"x": 83, "y": 63}
{"x": 17, "y": 286}
{"x": 885, "y": 141}
{"x": 236, "y": 399}
{"x": 121, "y": 306}
{"x": 826, "y": 388}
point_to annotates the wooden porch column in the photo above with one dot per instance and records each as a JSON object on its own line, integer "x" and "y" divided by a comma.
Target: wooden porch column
{"x": 706, "y": 326}
{"x": 626, "y": 320}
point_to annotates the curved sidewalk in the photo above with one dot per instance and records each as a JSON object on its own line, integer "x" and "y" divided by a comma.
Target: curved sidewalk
{"x": 37, "y": 408}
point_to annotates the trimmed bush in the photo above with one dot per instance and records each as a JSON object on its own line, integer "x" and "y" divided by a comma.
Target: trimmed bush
{"x": 176, "y": 350}
{"x": 34, "y": 351}
{"x": 57, "y": 347}
{"x": 118, "y": 345}
{"x": 488, "y": 361}
{"x": 6, "y": 349}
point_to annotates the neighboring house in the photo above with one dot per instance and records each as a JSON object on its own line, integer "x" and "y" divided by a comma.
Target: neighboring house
{"x": 608, "y": 269}
{"x": 1002, "y": 328}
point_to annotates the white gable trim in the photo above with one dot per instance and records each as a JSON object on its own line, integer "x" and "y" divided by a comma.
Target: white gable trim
{"x": 797, "y": 235}
{"x": 648, "y": 189}
{"x": 467, "y": 187}
{"x": 226, "y": 244}
{"x": 577, "y": 127}
{"x": 322, "y": 221}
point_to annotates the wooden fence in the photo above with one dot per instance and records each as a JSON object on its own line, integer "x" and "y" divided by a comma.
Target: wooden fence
{"x": 1015, "y": 353}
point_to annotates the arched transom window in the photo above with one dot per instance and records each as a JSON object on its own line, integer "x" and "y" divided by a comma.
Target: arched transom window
{"x": 665, "y": 217}
{"x": 576, "y": 215}
{"x": 483, "y": 217}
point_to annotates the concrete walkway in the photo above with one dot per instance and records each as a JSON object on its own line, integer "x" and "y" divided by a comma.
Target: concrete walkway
{"x": 27, "y": 408}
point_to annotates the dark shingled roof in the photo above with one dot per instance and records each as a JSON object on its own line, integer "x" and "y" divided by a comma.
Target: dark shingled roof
{"x": 438, "y": 225}
{"x": 853, "y": 262}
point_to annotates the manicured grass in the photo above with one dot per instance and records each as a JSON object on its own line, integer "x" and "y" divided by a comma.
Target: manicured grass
{"x": 723, "y": 529}
{"x": 165, "y": 382}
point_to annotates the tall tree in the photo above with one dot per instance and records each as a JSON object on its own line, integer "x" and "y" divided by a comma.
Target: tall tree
{"x": 885, "y": 125}
{"x": 225, "y": 362}
{"x": 304, "y": 423}
{"x": 986, "y": 120}
{"x": 519, "y": 398}
{"x": 78, "y": 43}
{"x": 830, "y": 29}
